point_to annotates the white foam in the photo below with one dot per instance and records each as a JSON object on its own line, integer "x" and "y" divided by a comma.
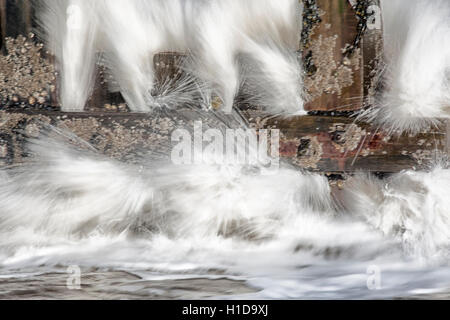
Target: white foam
{"x": 280, "y": 232}
{"x": 416, "y": 76}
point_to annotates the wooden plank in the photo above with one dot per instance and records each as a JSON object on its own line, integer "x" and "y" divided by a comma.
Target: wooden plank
{"x": 341, "y": 45}
{"x": 315, "y": 143}
{"x": 124, "y": 136}
{"x": 16, "y": 17}
{"x": 339, "y": 144}
{"x": 2, "y": 24}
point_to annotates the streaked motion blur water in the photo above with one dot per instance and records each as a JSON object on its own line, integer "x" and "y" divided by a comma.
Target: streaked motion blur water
{"x": 156, "y": 230}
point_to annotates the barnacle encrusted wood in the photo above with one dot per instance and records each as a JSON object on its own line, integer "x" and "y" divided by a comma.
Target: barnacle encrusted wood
{"x": 340, "y": 45}
{"x": 316, "y": 143}
{"x": 340, "y": 144}
{"x": 26, "y": 75}
{"x": 122, "y": 136}
{"x": 125, "y": 136}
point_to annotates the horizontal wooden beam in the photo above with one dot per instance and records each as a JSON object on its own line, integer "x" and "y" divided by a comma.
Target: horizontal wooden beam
{"x": 341, "y": 144}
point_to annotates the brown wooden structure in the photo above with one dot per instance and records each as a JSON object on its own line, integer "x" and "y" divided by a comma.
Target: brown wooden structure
{"x": 341, "y": 47}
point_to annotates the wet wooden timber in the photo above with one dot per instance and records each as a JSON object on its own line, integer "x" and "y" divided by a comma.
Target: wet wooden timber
{"x": 342, "y": 144}
{"x": 16, "y": 17}
{"x": 317, "y": 143}
{"x": 341, "y": 47}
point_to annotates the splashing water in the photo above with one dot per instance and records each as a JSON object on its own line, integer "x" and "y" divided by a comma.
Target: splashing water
{"x": 284, "y": 234}
{"x": 416, "y": 76}
{"x": 281, "y": 233}
{"x": 127, "y": 34}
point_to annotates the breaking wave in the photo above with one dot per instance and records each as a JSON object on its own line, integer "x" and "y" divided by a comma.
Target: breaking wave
{"x": 287, "y": 234}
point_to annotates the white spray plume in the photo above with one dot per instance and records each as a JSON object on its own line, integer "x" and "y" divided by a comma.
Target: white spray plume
{"x": 267, "y": 33}
{"x": 270, "y": 79}
{"x": 78, "y": 194}
{"x": 70, "y": 194}
{"x": 279, "y": 232}
{"x": 417, "y": 72}
{"x": 411, "y": 206}
{"x": 215, "y": 33}
{"x": 70, "y": 28}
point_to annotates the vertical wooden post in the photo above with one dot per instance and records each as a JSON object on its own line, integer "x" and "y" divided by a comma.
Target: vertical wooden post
{"x": 26, "y": 15}
{"x": 2, "y": 23}
{"x": 16, "y": 17}
{"x": 341, "y": 41}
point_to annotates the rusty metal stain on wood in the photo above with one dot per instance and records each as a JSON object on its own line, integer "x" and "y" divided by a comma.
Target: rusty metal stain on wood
{"x": 347, "y": 146}
{"x": 122, "y": 135}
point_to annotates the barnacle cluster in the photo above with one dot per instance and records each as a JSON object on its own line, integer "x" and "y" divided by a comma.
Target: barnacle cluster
{"x": 25, "y": 74}
{"x": 115, "y": 107}
{"x": 346, "y": 138}
{"x": 309, "y": 152}
{"x": 331, "y": 76}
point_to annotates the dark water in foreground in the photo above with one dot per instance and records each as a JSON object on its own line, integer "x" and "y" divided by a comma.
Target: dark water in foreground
{"x": 122, "y": 285}
{"x": 111, "y": 284}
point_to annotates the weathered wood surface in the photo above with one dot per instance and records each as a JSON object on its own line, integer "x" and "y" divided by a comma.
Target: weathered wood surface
{"x": 340, "y": 144}
{"x": 321, "y": 144}
{"x": 341, "y": 45}
{"x": 16, "y": 17}
{"x": 123, "y": 136}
